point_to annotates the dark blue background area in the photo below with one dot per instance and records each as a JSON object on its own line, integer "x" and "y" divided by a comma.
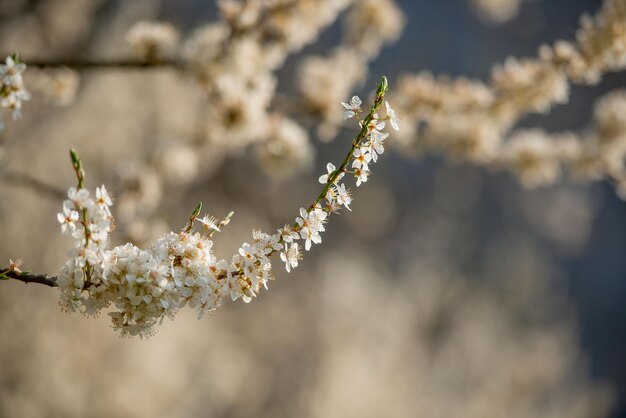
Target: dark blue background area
{"x": 445, "y": 37}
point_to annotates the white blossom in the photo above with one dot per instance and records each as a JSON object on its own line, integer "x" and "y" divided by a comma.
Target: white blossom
{"x": 392, "y": 116}
{"x": 288, "y": 234}
{"x": 209, "y": 222}
{"x": 79, "y": 197}
{"x": 311, "y": 224}
{"x": 103, "y": 199}
{"x": 265, "y": 244}
{"x": 361, "y": 176}
{"x": 361, "y": 158}
{"x": 330, "y": 167}
{"x": 67, "y": 219}
{"x": 332, "y": 206}
{"x": 11, "y": 73}
{"x": 12, "y": 90}
{"x": 343, "y": 196}
{"x": 375, "y": 145}
{"x": 353, "y": 108}
{"x": 375, "y": 125}
{"x": 291, "y": 256}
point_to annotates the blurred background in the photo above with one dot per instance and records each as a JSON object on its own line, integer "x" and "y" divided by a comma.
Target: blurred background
{"x": 449, "y": 290}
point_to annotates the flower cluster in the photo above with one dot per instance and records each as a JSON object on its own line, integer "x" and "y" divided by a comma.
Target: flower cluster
{"x": 539, "y": 158}
{"x": 532, "y": 155}
{"x": 599, "y": 45}
{"x": 372, "y": 23}
{"x": 144, "y": 286}
{"x": 179, "y": 269}
{"x": 234, "y": 59}
{"x": 474, "y": 121}
{"x": 323, "y": 80}
{"x": 12, "y": 90}
{"x": 89, "y": 222}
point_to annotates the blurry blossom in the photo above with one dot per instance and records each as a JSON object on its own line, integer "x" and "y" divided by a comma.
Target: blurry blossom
{"x": 496, "y": 11}
{"x": 152, "y": 41}
{"x": 60, "y": 87}
{"x": 287, "y": 149}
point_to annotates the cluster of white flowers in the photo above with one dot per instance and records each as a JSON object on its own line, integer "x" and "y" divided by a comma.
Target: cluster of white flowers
{"x": 323, "y": 80}
{"x": 474, "y": 121}
{"x": 146, "y": 285}
{"x": 533, "y": 156}
{"x": 89, "y": 222}
{"x": 12, "y": 90}
{"x": 234, "y": 59}
{"x": 539, "y": 158}
{"x": 286, "y": 25}
{"x": 601, "y": 151}
{"x": 599, "y": 45}
{"x": 326, "y": 80}
{"x": 468, "y": 119}
{"x": 238, "y": 115}
{"x": 372, "y": 23}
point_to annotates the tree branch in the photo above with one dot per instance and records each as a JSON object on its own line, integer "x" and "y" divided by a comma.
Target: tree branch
{"x": 29, "y": 278}
{"x": 103, "y": 64}
{"x": 23, "y": 179}
{"x": 177, "y": 64}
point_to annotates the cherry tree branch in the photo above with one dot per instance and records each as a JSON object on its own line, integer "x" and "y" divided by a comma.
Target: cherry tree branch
{"x": 104, "y": 64}
{"x": 27, "y": 278}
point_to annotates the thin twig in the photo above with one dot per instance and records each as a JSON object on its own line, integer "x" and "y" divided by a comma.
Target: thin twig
{"x": 30, "y": 278}
{"x": 23, "y": 179}
{"x": 103, "y": 64}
